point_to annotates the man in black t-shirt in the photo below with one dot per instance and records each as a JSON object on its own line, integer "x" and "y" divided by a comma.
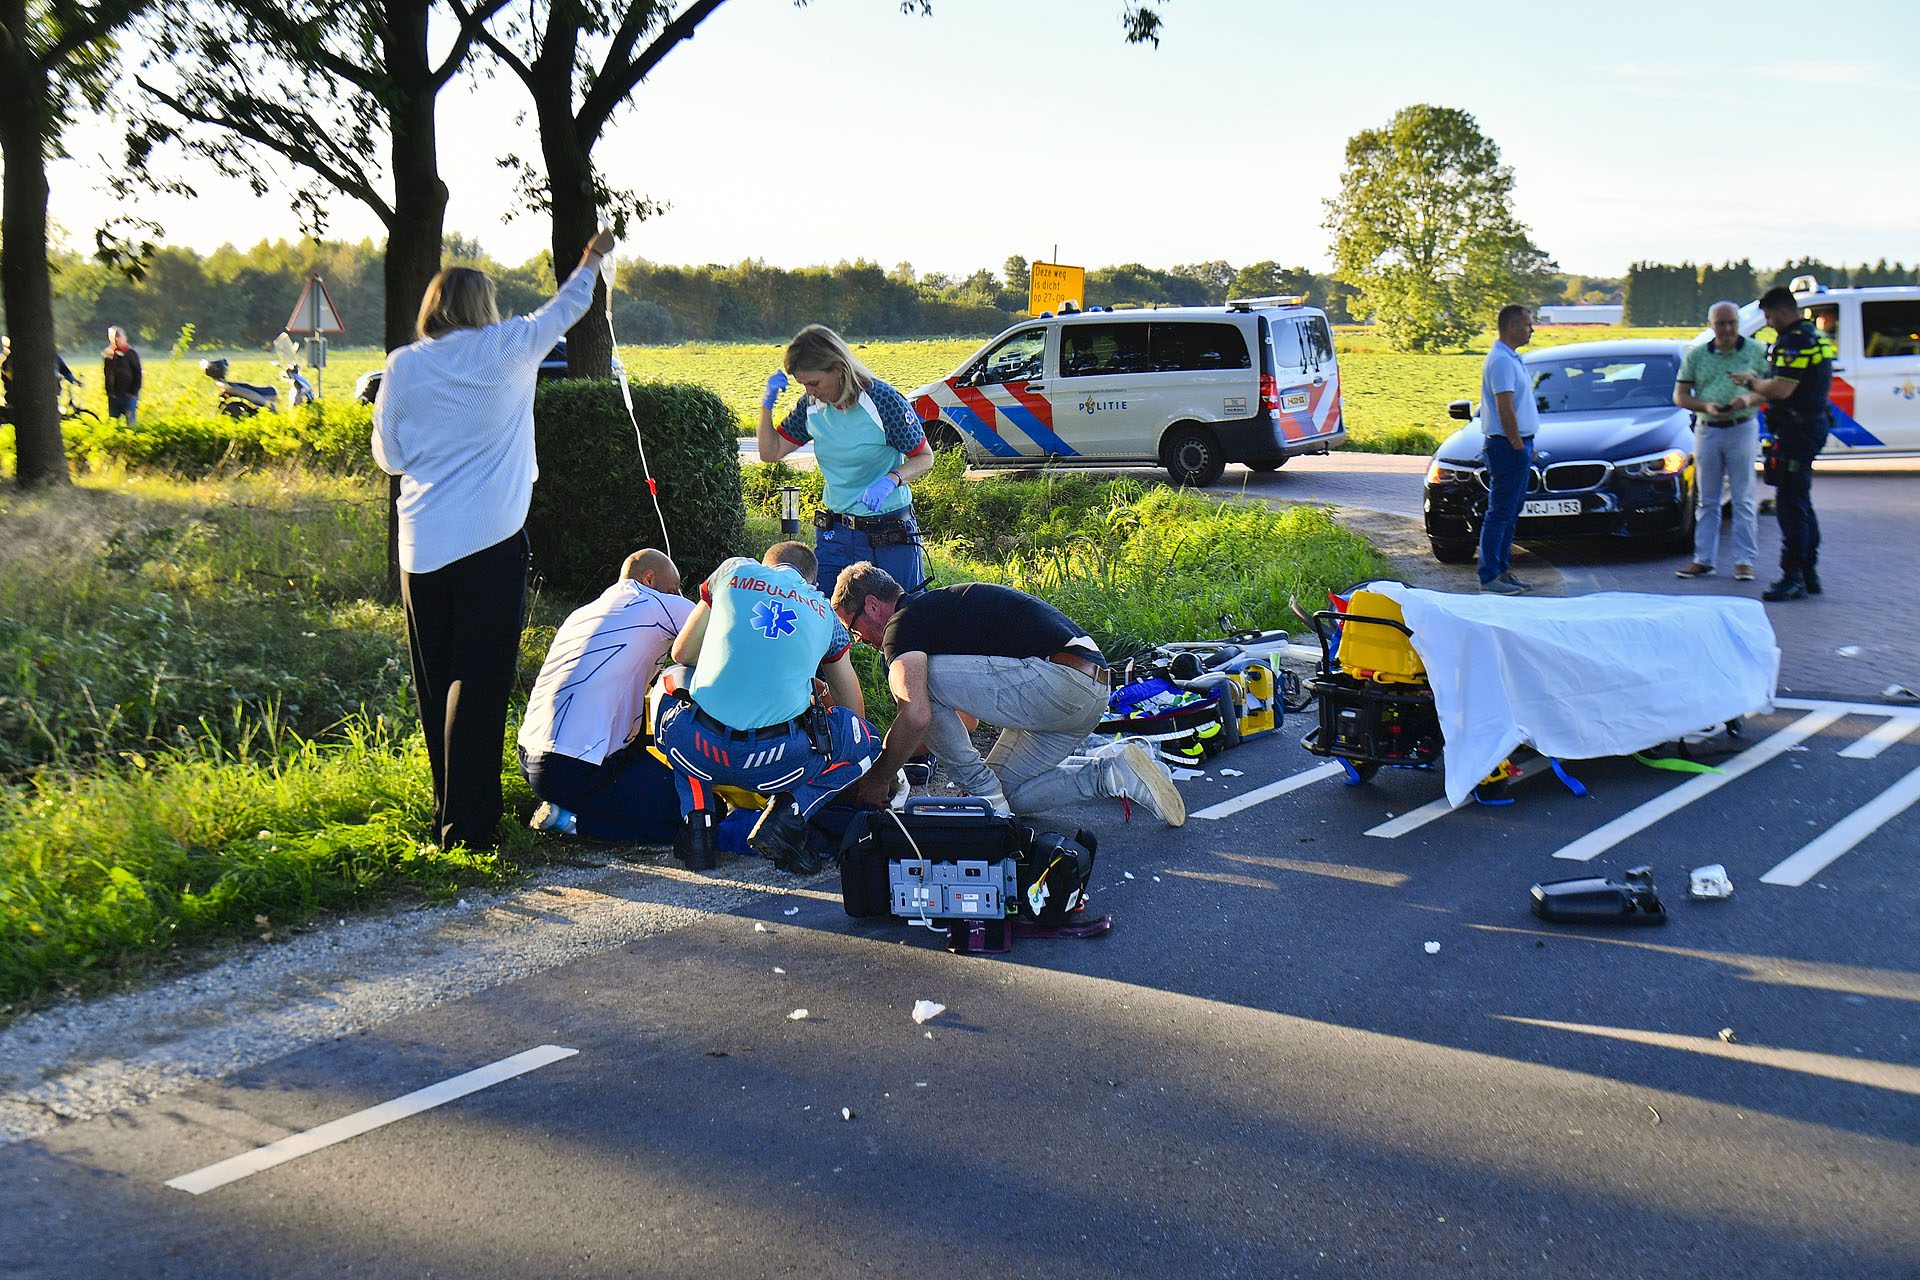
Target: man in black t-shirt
{"x": 1010, "y": 660}
{"x": 1794, "y": 394}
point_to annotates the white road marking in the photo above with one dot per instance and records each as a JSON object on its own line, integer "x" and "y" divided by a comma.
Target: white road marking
{"x": 1226, "y": 808}
{"x": 1812, "y": 858}
{"x": 201, "y": 1181}
{"x": 1409, "y": 821}
{"x": 1634, "y": 821}
{"x": 1880, "y": 739}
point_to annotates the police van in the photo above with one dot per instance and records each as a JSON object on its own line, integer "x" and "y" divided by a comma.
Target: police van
{"x": 1187, "y": 388}
{"x": 1876, "y": 377}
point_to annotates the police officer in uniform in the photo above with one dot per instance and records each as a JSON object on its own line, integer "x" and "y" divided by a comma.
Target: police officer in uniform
{"x": 747, "y": 717}
{"x": 1794, "y": 394}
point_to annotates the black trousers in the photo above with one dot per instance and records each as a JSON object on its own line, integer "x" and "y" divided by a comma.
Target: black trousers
{"x": 1799, "y": 527}
{"x": 463, "y": 638}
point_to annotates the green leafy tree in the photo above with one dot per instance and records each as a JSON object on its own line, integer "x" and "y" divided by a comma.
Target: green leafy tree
{"x": 1424, "y": 228}
{"x": 55, "y": 56}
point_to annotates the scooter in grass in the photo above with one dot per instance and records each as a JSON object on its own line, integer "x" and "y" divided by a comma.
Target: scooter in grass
{"x": 244, "y": 399}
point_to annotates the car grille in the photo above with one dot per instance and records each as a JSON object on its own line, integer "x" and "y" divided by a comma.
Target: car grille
{"x": 1561, "y": 477}
{"x": 1565, "y": 477}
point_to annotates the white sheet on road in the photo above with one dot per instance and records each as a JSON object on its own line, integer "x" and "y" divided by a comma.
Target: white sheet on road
{"x": 1585, "y": 676}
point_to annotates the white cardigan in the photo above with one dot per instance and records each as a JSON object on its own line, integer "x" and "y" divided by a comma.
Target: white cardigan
{"x": 454, "y": 420}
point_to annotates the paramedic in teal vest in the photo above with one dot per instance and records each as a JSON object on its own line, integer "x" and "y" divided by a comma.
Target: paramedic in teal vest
{"x": 869, "y": 446}
{"x": 757, "y": 642}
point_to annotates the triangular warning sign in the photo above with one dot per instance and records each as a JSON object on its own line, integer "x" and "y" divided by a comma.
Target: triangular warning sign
{"x": 315, "y": 313}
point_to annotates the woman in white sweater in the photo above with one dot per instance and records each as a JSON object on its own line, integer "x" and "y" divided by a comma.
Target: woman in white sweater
{"x": 454, "y": 420}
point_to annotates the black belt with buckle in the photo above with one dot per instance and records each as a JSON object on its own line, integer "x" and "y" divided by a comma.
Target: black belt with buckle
{"x": 1730, "y": 422}
{"x": 785, "y": 726}
{"x": 887, "y": 520}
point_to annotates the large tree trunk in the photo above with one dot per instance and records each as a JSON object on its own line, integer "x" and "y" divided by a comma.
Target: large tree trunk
{"x": 419, "y": 206}
{"x": 575, "y": 220}
{"x": 41, "y": 456}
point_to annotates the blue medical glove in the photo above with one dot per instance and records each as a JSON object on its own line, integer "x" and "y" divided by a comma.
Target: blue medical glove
{"x": 879, "y": 491}
{"x": 775, "y": 385}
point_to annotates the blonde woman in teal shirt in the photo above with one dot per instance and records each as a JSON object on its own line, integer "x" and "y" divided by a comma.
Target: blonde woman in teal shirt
{"x": 869, "y": 446}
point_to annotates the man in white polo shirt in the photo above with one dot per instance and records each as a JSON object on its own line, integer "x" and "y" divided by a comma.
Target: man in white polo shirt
{"x": 581, "y": 747}
{"x": 1509, "y": 416}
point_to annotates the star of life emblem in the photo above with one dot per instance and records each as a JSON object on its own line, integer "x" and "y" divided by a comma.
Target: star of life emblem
{"x": 773, "y": 620}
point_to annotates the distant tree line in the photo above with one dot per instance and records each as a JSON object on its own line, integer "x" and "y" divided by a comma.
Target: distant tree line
{"x": 236, "y": 298}
{"x": 1663, "y": 294}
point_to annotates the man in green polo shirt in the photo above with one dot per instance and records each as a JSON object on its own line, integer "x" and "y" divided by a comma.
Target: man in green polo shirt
{"x": 1726, "y": 441}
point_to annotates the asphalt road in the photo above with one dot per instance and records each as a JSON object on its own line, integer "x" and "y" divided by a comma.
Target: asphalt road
{"x": 1268, "y": 1068}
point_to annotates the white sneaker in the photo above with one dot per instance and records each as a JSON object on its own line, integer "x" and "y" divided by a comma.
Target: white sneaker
{"x": 551, "y": 817}
{"x": 1140, "y": 778}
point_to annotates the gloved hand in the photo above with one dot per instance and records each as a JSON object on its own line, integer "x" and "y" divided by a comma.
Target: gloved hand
{"x": 775, "y": 385}
{"x": 879, "y": 491}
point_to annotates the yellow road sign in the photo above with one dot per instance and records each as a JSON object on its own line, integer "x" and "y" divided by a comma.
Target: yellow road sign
{"x": 1049, "y": 285}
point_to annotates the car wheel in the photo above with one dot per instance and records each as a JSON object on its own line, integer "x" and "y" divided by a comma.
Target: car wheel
{"x": 1447, "y": 551}
{"x": 940, "y": 434}
{"x": 1682, "y": 540}
{"x": 1193, "y": 457}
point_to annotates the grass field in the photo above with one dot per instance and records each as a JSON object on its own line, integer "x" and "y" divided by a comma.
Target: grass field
{"x": 1395, "y": 402}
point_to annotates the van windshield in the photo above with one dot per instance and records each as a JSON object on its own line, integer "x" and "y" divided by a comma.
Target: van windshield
{"x": 1603, "y": 382}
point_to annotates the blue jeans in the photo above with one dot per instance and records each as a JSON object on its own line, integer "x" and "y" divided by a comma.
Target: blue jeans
{"x": 1726, "y": 454}
{"x": 629, "y": 796}
{"x": 840, "y": 546}
{"x": 769, "y": 761}
{"x": 127, "y": 407}
{"x": 1045, "y": 712}
{"x": 1506, "y": 494}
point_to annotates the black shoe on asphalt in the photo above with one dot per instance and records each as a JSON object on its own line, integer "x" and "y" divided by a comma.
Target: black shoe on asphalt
{"x": 695, "y": 844}
{"x": 1788, "y": 588}
{"x": 781, "y": 835}
{"x": 1811, "y": 580}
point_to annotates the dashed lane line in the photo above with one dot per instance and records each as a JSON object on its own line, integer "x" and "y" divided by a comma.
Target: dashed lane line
{"x": 1634, "y": 821}
{"x": 201, "y": 1181}
{"x": 1813, "y": 857}
{"x": 1259, "y": 795}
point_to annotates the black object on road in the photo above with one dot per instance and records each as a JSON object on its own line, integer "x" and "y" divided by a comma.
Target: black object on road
{"x": 1632, "y": 899}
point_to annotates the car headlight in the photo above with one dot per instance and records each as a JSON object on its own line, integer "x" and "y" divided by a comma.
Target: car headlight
{"x": 1441, "y": 471}
{"x": 1670, "y": 463}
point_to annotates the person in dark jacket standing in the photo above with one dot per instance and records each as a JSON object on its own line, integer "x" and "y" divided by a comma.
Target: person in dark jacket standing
{"x": 121, "y": 376}
{"x": 1794, "y": 394}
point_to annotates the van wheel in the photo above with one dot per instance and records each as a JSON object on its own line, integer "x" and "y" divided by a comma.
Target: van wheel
{"x": 940, "y": 434}
{"x": 1193, "y": 457}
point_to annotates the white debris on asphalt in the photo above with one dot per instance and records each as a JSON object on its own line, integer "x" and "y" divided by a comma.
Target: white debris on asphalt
{"x": 791, "y": 911}
{"x": 778, "y": 969}
{"x": 760, "y": 928}
{"x": 846, "y": 1113}
{"x": 1433, "y": 948}
{"x": 1708, "y": 883}
{"x": 1726, "y": 1035}
{"x": 1127, "y": 874}
{"x": 796, "y": 1015}
{"x": 926, "y": 1010}
{"x": 1232, "y": 773}
{"x": 1848, "y": 651}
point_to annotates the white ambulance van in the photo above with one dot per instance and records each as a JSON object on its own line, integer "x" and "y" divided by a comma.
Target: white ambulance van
{"x": 1186, "y": 388}
{"x": 1876, "y": 380}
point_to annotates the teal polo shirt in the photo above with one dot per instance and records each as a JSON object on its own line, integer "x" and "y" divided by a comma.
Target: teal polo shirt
{"x": 1710, "y": 371}
{"x": 767, "y": 634}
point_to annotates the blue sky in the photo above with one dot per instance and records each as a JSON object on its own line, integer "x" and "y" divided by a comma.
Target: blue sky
{"x": 995, "y": 127}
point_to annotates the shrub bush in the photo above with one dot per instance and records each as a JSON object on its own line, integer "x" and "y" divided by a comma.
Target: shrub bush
{"x": 591, "y": 508}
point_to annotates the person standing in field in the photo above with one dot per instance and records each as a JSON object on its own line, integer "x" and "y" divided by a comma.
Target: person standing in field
{"x": 1726, "y": 442}
{"x": 122, "y": 377}
{"x": 1794, "y": 393}
{"x": 1509, "y": 417}
{"x": 454, "y": 420}
{"x": 869, "y": 447}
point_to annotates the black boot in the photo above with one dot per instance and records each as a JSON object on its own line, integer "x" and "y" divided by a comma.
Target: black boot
{"x": 781, "y": 835}
{"x": 1811, "y": 579}
{"x": 1790, "y": 587}
{"x": 695, "y": 844}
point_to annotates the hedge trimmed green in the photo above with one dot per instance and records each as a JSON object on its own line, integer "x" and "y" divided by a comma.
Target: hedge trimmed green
{"x": 591, "y": 508}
